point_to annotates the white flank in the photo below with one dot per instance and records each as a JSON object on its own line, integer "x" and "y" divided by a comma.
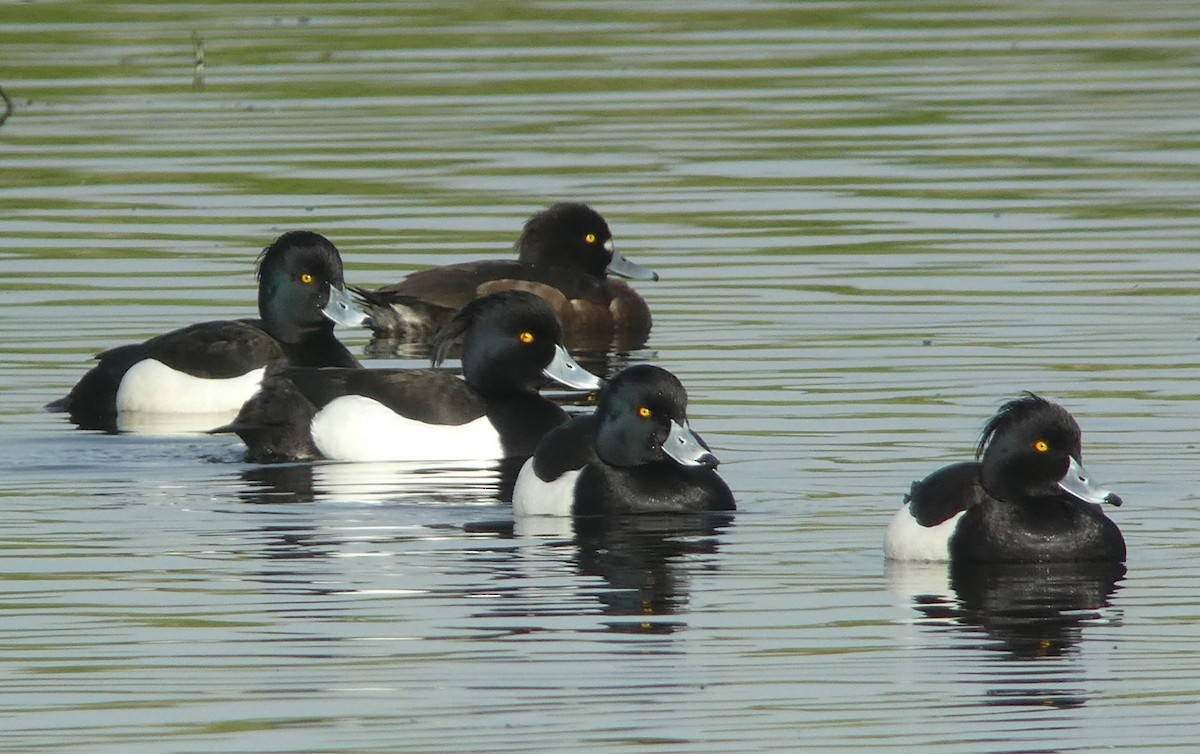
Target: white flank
{"x": 153, "y": 387}
{"x": 908, "y": 540}
{"x": 355, "y": 428}
{"x": 533, "y": 497}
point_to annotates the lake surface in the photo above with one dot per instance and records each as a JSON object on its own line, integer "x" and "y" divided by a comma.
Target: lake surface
{"x": 874, "y": 223}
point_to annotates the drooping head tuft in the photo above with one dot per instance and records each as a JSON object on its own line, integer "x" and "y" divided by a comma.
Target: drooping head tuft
{"x": 1024, "y": 409}
{"x": 499, "y": 309}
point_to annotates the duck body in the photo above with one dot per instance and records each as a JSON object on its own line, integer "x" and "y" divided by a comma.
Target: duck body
{"x": 1036, "y": 530}
{"x": 214, "y": 367}
{"x": 510, "y": 341}
{"x": 1027, "y": 500}
{"x": 635, "y": 454}
{"x": 565, "y": 255}
{"x": 201, "y": 368}
{"x": 388, "y": 415}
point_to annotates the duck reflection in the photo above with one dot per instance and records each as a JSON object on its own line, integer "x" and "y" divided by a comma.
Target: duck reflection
{"x": 645, "y": 562}
{"x": 278, "y": 483}
{"x": 1035, "y": 610}
{"x": 152, "y": 424}
{"x": 1028, "y": 611}
{"x": 465, "y": 483}
{"x": 642, "y": 559}
{"x": 1031, "y": 610}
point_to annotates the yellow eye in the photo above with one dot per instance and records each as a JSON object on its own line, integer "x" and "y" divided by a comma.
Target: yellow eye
{"x": 306, "y": 278}
{"x": 590, "y": 238}
{"x": 644, "y": 412}
{"x": 1041, "y": 446}
{"x": 526, "y": 337}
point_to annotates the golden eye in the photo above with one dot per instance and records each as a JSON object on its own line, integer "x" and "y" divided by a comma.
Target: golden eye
{"x": 306, "y": 278}
{"x": 1041, "y": 446}
{"x": 590, "y": 238}
{"x": 644, "y": 412}
{"x": 526, "y": 337}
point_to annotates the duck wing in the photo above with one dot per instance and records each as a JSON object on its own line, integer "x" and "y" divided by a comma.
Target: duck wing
{"x": 945, "y": 493}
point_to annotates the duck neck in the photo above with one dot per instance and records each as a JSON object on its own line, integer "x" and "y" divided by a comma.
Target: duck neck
{"x": 496, "y": 382}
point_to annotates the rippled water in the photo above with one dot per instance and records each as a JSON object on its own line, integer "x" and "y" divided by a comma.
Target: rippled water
{"x": 873, "y": 222}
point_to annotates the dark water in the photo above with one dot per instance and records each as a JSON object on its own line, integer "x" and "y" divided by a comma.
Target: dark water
{"x": 873, "y": 222}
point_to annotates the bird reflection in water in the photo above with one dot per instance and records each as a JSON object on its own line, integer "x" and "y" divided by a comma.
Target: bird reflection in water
{"x": 1035, "y": 609}
{"x": 411, "y": 490}
{"x": 460, "y": 483}
{"x": 1028, "y": 611}
{"x": 644, "y": 560}
{"x": 287, "y": 484}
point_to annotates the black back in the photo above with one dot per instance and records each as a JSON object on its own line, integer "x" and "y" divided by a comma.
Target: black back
{"x": 452, "y": 286}
{"x": 945, "y": 493}
{"x": 568, "y": 447}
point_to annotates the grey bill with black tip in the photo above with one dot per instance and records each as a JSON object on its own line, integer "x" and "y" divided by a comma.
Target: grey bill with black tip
{"x": 1077, "y": 484}
{"x": 566, "y": 371}
{"x": 686, "y": 447}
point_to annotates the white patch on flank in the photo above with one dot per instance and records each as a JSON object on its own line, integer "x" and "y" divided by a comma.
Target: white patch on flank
{"x": 908, "y": 540}
{"x": 153, "y": 387}
{"x": 356, "y": 428}
{"x": 533, "y": 497}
